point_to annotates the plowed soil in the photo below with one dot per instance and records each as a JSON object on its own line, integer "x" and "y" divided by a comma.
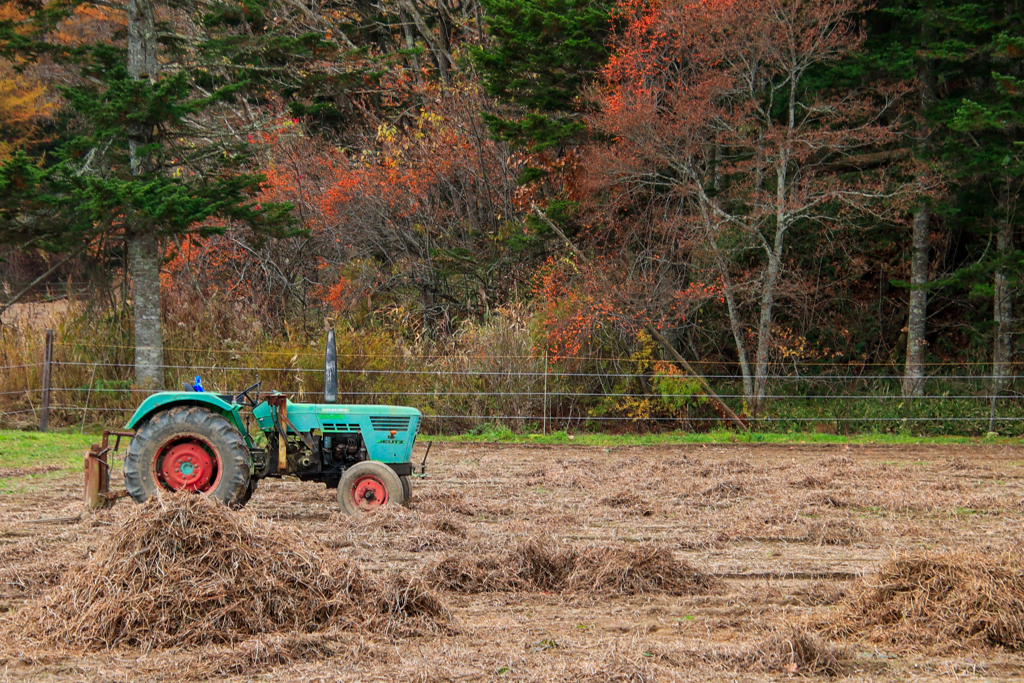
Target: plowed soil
{"x": 790, "y": 533}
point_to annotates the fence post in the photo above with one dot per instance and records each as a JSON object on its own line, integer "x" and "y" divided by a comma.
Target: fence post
{"x": 545, "y": 389}
{"x": 44, "y": 413}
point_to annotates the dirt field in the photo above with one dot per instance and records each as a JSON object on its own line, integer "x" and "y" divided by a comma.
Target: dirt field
{"x": 789, "y": 535}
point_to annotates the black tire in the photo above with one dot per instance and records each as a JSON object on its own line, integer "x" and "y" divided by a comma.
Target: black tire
{"x": 367, "y": 486}
{"x": 253, "y": 482}
{"x": 201, "y": 429}
{"x": 406, "y": 489}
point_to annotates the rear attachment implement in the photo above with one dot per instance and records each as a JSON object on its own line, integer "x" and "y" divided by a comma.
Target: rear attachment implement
{"x": 97, "y": 472}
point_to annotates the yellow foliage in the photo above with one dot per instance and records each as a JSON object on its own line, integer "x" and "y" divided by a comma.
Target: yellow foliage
{"x": 24, "y": 104}
{"x": 674, "y": 394}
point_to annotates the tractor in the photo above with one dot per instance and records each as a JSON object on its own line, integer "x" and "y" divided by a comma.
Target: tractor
{"x": 198, "y": 441}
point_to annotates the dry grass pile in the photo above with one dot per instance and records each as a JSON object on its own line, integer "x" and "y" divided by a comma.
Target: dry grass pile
{"x": 788, "y": 650}
{"x": 29, "y": 567}
{"x": 630, "y": 503}
{"x": 732, "y": 466}
{"x": 447, "y": 502}
{"x": 538, "y": 565}
{"x": 821, "y": 593}
{"x": 724, "y": 490}
{"x": 811, "y": 482}
{"x": 532, "y": 565}
{"x": 941, "y": 600}
{"x": 834, "y": 532}
{"x": 185, "y": 571}
{"x": 260, "y": 654}
{"x": 637, "y": 570}
{"x": 797, "y": 652}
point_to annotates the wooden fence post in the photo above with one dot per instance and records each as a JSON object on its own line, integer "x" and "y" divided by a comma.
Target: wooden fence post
{"x": 44, "y": 413}
{"x": 545, "y": 389}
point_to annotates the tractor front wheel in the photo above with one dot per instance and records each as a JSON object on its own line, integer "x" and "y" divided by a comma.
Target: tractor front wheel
{"x": 188, "y": 448}
{"x": 367, "y": 486}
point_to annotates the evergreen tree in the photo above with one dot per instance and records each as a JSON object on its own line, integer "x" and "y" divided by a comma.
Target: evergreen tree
{"x": 541, "y": 55}
{"x": 957, "y": 56}
{"x": 161, "y": 146}
{"x": 992, "y": 119}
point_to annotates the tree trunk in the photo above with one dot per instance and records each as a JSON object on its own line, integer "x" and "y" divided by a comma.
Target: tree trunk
{"x": 764, "y": 329}
{"x": 410, "y": 43}
{"x": 1002, "y": 350}
{"x": 444, "y": 36}
{"x": 143, "y": 245}
{"x": 144, "y": 264}
{"x": 142, "y": 42}
{"x": 771, "y": 280}
{"x": 441, "y": 56}
{"x": 917, "y": 315}
{"x": 735, "y": 325}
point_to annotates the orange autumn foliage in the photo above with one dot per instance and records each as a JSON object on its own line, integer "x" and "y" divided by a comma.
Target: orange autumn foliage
{"x": 24, "y": 101}
{"x": 424, "y": 192}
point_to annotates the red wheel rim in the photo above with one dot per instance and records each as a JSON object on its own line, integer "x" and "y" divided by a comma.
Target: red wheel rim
{"x": 369, "y": 493}
{"x": 187, "y": 465}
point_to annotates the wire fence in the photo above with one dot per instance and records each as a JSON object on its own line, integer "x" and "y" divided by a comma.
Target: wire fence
{"x": 538, "y": 394}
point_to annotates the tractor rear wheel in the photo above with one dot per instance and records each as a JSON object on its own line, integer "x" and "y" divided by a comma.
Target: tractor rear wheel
{"x": 406, "y": 489}
{"x": 188, "y": 448}
{"x": 253, "y": 482}
{"x": 367, "y": 486}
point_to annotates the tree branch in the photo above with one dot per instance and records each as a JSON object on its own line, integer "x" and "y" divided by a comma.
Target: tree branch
{"x": 651, "y": 329}
{"x": 42, "y": 277}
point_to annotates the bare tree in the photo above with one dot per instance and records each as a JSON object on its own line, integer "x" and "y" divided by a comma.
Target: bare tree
{"x": 717, "y": 132}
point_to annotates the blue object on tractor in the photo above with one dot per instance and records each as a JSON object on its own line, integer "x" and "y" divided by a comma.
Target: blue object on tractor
{"x": 198, "y": 441}
{"x": 165, "y": 400}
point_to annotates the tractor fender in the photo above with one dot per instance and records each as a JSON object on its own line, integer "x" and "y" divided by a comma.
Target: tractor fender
{"x": 169, "y": 399}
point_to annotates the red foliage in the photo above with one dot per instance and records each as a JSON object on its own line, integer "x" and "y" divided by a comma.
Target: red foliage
{"x": 720, "y": 150}
{"x": 376, "y": 214}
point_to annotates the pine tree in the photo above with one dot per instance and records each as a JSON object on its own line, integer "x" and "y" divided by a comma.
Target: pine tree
{"x": 542, "y": 54}
{"x": 162, "y": 144}
{"x": 954, "y": 54}
{"x": 992, "y": 119}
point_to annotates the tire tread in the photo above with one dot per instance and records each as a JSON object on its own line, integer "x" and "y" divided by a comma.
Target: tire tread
{"x": 229, "y": 443}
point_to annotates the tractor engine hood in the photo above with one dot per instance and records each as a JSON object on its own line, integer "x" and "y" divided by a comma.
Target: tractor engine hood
{"x": 388, "y": 432}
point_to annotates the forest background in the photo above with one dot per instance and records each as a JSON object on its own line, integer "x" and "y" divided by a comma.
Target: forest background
{"x": 522, "y": 212}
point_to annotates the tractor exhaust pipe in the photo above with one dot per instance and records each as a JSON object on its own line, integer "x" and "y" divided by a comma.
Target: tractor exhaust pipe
{"x": 331, "y": 370}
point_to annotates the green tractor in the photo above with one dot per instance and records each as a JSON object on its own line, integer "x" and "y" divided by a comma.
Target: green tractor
{"x": 198, "y": 441}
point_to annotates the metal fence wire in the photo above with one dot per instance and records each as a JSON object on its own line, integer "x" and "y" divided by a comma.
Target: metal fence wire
{"x": 535, "y": 393}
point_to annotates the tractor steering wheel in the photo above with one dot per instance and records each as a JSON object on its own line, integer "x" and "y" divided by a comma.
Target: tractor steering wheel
{"x": 244, "y": 396}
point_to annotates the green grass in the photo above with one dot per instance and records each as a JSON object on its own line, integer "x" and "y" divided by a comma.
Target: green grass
{"x": 498, "y": 433}
{"x": 28, "y": 449}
